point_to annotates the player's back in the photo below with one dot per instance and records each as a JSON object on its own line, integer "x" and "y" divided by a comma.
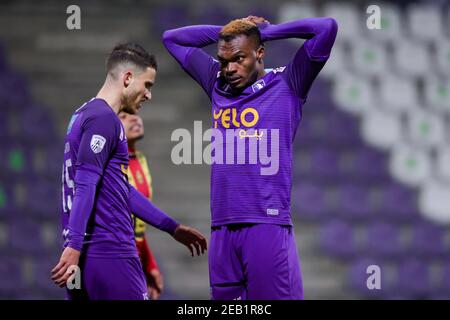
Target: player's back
{"x": 95, "y": 141}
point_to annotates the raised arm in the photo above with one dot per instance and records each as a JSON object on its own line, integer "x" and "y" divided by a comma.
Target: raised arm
{"x": 311, "y": 57}
{"x": 185, "y": 45}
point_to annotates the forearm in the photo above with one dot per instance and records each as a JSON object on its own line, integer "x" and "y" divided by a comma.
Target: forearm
{"x": 320, "y": 33}
{"x": 146, "y": 211}
{"x": 83, "y": 204}
{"x": 180, "y": 42}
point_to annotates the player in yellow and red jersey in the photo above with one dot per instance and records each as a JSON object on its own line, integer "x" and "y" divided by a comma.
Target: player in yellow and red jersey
{"x": 139, "y": 177}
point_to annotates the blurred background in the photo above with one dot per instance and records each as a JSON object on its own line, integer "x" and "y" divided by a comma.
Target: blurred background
{"x": 372, "y": 153}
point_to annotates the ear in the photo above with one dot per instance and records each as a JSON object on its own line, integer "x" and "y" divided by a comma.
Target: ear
{"x": 127, "y": 78}
{"x": 260, "y": 53}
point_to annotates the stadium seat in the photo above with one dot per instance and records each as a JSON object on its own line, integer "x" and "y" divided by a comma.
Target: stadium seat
{"x": 414, "y": 279}
{"x": 337, "y": 238}
{"x": 390, "y": 25}
{"x": 397, "y": 203}
{"x": 362, "y": 268}
{"x": 381, "y": 129}
{"x": 428, "y": 241}
{"x": 398, "y": 93}
{"x": 336, "y": 64}
{"x": 353, "y": 94}
{"x": 310, "y": 201}
{"x": 42, "y": 281}
{"x": 292, "y": 10}
{"x": 425, "y": 22}
{"x": 25, "y": 237}
{"x": 369, "y": 58}
{"x": 442, "y": 164}
{"x": 324, "y": 164}
{"x": 434, "y": 201}
{"x": 341, "y": 129}
{"x": 424, "y": 129}
{"x": 375, "y": 172}
{"x": 354, "y": 203}
{"x": 7, "y": 201}
{"x": 11, "y": 281}
{"x": 437, "y": 94}
{"x": 347, "y": 17}
{"x": 42, "y": 197}
{"x": 383, "y": 240}
{"x": 411, "y": 58}
{"x": 443, "y": 56}
{"x": 410, "y": 165}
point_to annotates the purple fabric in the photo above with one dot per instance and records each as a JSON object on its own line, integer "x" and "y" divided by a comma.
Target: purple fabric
{"x": 148, "y": 212}
{"x": 278, "y": 100}
{"x": 244, "y": 265}
{"x": 129, "y": 280}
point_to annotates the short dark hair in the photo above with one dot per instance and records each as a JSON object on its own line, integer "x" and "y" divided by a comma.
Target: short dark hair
{"x": 239, "y": 27}
{"x": 133, "y": 53}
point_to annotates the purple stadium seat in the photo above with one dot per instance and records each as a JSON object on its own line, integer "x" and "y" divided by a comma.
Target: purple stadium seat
{"x": 42, "y": 280}
{"x": 359, "y": 273}
{"x": 369, "y": 165}
{"x": 25, "y": 236}
{"x": 11, "y": 281}
{"x": 337, "y": 238}
{"x": 310, "y": 201}
{"x": 16, "y": 162}
{"x": 215, "y": 14}
{"x": 44, "y": 133}
{"x": 7, "y": 201}
{"x": 354, "y": 202}
{"x": 414, "y": 280}
{"x": 383, "y": 240}
{"x": 325, "y": 164}
{"x": 170, "y": 16}
{"x": 398, "y": 203}
{"x": 341, "y": 129}
{"x": 43, "y": 198}
{"x": 428, "y": 241}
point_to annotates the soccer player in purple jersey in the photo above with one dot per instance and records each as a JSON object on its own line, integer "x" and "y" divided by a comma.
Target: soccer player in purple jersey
{"x": 253, "y": 253}
{"x": 97, "y": 198}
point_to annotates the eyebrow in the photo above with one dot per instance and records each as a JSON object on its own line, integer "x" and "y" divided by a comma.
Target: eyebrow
{"x": 232, "y": 57}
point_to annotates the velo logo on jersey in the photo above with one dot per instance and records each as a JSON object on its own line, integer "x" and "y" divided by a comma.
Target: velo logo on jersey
{"x": 97, "y": 143}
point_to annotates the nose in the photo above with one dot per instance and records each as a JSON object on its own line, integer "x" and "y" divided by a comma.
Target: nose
{"x": 148, "y": 95}
{"x": 231, "y": 68}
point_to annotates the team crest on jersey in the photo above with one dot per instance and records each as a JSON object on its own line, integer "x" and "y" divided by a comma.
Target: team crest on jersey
{"x": 258, "y": 85}
{"x": 97, "y": 143}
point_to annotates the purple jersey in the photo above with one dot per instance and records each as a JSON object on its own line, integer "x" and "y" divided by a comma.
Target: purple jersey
{"x": 96, "y": 142}
{"x": 251, "y": 175}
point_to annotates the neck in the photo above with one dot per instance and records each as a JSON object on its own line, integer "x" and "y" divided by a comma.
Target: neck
{"x": 261, "y": 73}
{"x": 111, "y": 95}
{"x": 131, "y": 144}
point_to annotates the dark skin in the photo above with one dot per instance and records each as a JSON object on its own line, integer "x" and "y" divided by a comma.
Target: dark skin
{"x": 241, "y": 58}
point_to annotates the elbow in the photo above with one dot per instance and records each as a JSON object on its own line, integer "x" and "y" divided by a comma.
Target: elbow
{"x": 331, "y": 26}
{"x": 167, "y": 37}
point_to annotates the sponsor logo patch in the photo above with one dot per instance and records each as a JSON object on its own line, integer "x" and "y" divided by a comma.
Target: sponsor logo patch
{"x": 97, "y": 143}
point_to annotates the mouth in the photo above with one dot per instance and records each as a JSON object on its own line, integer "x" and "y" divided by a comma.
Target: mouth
{"x": 234, "y": 81}
{"x": 135, "y": 127}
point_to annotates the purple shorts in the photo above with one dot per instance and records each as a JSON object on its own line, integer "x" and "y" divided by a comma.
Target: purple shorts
{"x": 110, "y": 279}
{"x": 254, "y": 262}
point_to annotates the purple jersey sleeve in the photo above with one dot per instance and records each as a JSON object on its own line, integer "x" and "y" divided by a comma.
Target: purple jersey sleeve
{"x": 185, "y": 44}
{"x": 148, "y": 212}
{"x": 311, "y": 57}
{"x": 98, "y": 141}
